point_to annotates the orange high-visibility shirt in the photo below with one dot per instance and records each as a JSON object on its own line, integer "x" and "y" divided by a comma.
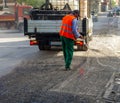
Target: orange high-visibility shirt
{"x": 66, "y": 27}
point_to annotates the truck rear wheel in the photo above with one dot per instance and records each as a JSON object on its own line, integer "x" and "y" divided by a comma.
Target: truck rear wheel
{"x": 47, "y": 47}
{"x": 8, "y": 25}
{"x": 41, "y": 47}
{"x": 44, "y": 47}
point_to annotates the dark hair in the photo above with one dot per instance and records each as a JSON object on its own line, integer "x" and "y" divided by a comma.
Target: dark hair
{"x": 76, "y": 12}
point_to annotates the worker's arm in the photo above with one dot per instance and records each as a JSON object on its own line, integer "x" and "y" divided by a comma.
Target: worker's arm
{"x": 74, "y": 28}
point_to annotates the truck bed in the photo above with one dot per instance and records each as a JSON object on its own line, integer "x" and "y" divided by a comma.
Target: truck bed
{"x": 42, "y": 26}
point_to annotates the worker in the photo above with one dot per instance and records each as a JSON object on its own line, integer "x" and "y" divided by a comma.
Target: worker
{"x": 68, "y": 34}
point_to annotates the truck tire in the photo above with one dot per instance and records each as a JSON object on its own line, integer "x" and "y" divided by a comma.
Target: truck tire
{"x": 44, "y": 47}
{"x": 47, "y": 47}
{"x": 41, "y": 47}
{"x": 8, "y": 25}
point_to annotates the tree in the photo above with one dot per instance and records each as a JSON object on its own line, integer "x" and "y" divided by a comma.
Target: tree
{"x": 113, "y": 4}
{"x": 95, "y": 5}
{"x": 34, "y": 3}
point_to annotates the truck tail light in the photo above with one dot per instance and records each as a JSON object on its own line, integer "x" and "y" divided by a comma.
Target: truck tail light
{"x": 33, "y": 42}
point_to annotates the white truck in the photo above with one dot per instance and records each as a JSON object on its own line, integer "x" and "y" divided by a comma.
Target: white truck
{"x": 43, "y": 28}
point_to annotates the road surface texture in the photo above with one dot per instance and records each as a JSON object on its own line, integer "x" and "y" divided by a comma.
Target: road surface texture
{"x": 94, "y": 77}
{"x": 14, "y": 47}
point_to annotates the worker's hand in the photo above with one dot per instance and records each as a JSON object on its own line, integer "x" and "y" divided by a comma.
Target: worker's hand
{"x": 81, "y": 36}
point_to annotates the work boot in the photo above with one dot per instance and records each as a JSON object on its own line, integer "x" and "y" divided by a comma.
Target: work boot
{"x": 67, "y": 68}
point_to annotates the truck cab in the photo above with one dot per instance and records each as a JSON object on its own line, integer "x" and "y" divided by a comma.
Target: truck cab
{"x": 13, "y": 15}
{"x": 21, "y": 12}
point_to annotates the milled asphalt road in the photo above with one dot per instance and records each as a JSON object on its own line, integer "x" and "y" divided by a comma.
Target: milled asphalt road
{"x": 42, "y": 79}
{"x": 14, "y": 47}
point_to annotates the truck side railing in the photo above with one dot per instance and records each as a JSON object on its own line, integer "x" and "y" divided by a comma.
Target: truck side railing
{"x": 42, "y": 26}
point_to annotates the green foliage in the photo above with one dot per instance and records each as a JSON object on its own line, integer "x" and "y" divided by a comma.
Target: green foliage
{"x": 34, "y": 3}
{"x": 113, "y": 3}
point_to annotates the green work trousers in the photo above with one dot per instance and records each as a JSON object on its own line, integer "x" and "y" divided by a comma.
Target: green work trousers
{"x": 67, "y": 46}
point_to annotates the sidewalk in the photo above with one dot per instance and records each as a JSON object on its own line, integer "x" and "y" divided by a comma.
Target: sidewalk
{"x": 110, "y": 26}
